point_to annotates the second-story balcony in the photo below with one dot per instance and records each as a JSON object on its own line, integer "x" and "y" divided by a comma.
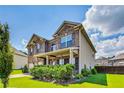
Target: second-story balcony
{"x": 53, "y": 47}
{"x": 62, "y": 45}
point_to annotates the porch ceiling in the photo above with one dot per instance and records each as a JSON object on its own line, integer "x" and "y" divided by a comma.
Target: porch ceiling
{"x": 65, "y": 51}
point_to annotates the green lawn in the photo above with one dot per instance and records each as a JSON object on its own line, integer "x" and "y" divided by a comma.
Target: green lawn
{"x": 16, "y": 71}
{"x": 95, "y": 81}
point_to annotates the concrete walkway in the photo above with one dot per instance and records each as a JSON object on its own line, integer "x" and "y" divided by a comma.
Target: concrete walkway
{"x": 19, "y": 75}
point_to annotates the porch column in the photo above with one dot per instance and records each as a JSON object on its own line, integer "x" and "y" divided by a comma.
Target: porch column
{"x": 71, "y": 61}
{"x": 47, "y": 60}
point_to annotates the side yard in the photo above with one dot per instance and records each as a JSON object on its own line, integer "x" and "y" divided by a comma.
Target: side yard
{"x": 16, "y": 71}
{"x": 94, "y": 81}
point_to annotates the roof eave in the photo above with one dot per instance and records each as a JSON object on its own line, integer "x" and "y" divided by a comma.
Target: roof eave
{"x": 36, "y": 36}
{"x": 86, "y": 36}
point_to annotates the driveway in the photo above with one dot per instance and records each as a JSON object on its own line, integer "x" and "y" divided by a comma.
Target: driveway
{"x": 19, "y": 75}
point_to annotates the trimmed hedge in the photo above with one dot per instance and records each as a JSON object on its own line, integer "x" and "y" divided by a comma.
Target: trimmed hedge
{"x": 57, "y": 72}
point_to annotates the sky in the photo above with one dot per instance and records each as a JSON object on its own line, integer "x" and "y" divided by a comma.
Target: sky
{"x": 104, "y": 24}
{"x": 42, "y": 20}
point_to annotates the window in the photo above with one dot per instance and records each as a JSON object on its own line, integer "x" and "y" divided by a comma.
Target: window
{"x": 61, "y": 61}
{"x": 66, "y": 41}
{"x": 53, "y": 47}
{"x": 66, "y": 60}
{"x": 63, "y": 42}
{"x": 38, "y": 46}
{"x": 69, "y": 40}
{"x": 69, "y": 37}
{"x": 63, "y": 39}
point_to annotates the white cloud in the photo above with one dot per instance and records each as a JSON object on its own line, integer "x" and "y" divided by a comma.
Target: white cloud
{"x": 105, "y": 21}
{"x": 120, "y": 43}
{"x": 24, "y": 42}
{"x": 94, "y": 38}
{"x": 106, "y": 47}
{"x": 110, "y": 47}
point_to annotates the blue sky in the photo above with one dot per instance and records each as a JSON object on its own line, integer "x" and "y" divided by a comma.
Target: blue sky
{"x": 42, "y": 20}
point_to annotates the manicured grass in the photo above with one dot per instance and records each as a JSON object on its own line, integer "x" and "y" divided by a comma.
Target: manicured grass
{"x": 16, "y": 71}
{"x": 28, "y": 82}
{"x": 95, "y": 81}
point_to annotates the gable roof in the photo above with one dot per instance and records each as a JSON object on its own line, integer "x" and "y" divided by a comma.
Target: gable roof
{"x": 34, "y": 35}
{"x": 80, "y": 26}
{"x": 65, "y": 22}
{"x": 76, "y": 25}
{"x": 17, "y": 52}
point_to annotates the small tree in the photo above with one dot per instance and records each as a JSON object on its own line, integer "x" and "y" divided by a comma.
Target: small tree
{"x": 6, "y": 57}
{"x": 94, "y": 71}
{"x": 25, "y": 69}
{"x": 85, "y": 71}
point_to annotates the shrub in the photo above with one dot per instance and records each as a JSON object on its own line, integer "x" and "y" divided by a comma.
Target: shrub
{"x": 35, "y": 72}
{"x": 57, "y": 72}
{"x": 78, "y": 76}
{"x": 85, "y": 71}
{"x": 93, "y": 71}
{"x": 69, "y": 71}
{"x": 25, "y": 69}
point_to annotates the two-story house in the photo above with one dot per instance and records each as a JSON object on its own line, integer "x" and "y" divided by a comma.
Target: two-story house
{"x": 70, "y": 44}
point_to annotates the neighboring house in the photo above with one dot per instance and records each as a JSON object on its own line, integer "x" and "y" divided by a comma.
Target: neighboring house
{"x": 117, "y": 60}
{"x": 70, "y": 44}
{"x": 20, "y": 59}
{"x": 102, "y": 61}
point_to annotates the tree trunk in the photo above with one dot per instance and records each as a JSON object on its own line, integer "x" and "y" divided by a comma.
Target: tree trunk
{"x": 5, "y": 85}
{"x": 5, "y": 82}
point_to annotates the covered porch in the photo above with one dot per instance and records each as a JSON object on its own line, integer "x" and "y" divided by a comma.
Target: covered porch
{"x": 61, "y": 56}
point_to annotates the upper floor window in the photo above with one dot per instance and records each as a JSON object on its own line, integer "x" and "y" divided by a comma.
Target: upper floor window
{"x": 69, "y": 40}
{"x": 53, "y": 47}
{"x": 38, "y": 46}
{"x": 69, "y": 37}
{"x": 66, "y": 41}
{"x": 63, "y": 42}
